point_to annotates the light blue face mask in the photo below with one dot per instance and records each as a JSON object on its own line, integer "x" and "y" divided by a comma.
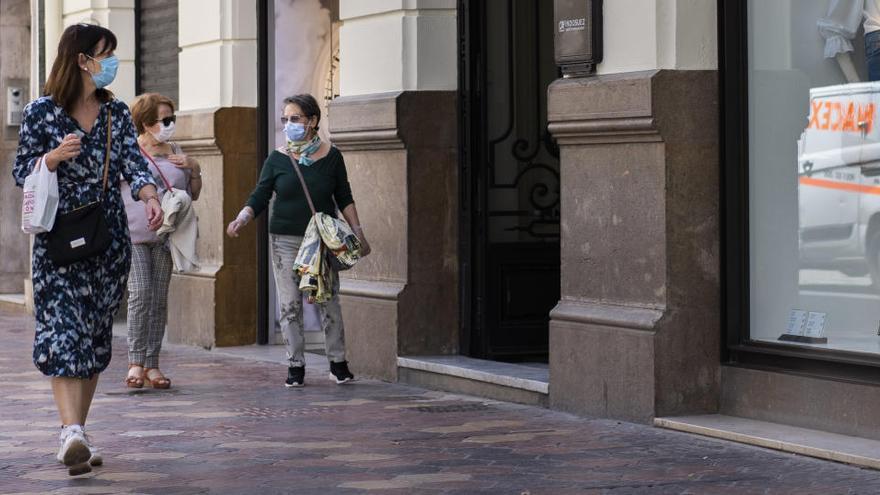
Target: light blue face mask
{"x": 295, "y": 131}
{"x": 108, "y": 71}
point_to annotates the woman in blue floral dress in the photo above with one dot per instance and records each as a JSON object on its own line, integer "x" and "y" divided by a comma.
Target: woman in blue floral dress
{"x": 66, "y": 131}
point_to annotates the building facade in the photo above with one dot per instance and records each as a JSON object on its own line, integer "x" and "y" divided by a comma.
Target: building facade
{"x": 574, "y": 220}
{"x": 688, "y": 230}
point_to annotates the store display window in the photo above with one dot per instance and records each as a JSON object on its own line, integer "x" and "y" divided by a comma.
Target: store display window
{"x": 813, "y": 85}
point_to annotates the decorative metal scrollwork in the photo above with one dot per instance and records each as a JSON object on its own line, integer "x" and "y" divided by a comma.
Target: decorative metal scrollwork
{"x": 541, "y": 190}
{"x": 533, "y": 150}
{"x": 544, "y": 201}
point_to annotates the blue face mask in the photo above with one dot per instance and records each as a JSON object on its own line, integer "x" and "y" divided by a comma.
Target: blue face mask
{"x": 108, "y": 71}
{"x": 295, "y": 131}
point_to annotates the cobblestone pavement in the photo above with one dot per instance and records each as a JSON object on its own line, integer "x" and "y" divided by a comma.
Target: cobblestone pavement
{"x": 229, "y": 426}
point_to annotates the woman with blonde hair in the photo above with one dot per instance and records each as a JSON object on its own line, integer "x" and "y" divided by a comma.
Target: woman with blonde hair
{"x": 154, "y": 119}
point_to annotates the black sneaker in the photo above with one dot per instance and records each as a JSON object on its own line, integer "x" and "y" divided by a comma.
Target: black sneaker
{"x": 295, "y": 376}
{"x": 339, "y": 372}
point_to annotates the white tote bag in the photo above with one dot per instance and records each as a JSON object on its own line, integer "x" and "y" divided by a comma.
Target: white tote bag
{"x": 40, "y": 200}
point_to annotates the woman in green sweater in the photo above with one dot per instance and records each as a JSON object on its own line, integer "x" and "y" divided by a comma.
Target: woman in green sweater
{"x": 324, "y": 171}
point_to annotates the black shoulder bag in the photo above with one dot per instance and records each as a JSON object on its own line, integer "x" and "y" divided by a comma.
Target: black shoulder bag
{"x": 82, "y": 233}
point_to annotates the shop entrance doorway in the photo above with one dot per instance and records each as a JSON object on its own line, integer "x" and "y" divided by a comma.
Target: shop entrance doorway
{"x": 510, "y": 227}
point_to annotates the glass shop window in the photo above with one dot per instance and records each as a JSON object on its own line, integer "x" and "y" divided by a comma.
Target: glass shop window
{"x": 814, "y": 172}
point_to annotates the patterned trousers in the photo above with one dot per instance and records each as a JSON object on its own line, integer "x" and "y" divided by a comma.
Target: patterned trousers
{"x": 284, "y": 249}
{"x": 148, "y": 302}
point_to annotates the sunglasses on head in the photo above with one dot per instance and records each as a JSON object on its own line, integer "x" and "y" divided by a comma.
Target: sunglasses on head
{"x": 167, "y": 120}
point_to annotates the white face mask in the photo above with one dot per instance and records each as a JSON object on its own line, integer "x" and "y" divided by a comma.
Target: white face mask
{"x": 164, "y": 133}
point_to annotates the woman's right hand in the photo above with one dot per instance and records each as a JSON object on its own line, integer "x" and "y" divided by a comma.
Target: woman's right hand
{"x": 234, "y": 227}
{"x": 69, "y": 148}
{"x": 243, "y": 218}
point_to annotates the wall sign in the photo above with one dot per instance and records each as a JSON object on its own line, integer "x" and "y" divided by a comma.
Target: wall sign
{"x": 578, "y": 36}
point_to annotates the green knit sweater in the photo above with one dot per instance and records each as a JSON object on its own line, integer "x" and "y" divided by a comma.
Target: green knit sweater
{"x": 326, "y": 179}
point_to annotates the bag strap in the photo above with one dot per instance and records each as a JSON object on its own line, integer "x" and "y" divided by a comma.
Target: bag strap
{"x": 149, "y": 157}
{"x": 109, "y": 140}
{"x": 302, "y": 181}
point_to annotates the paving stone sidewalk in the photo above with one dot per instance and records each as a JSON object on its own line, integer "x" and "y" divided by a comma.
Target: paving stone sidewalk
{"x": 229, "y": 426}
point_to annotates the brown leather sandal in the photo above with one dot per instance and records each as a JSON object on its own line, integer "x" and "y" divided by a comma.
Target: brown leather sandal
{"x": 134, "y": 379}
{"x": 158, "y": 380}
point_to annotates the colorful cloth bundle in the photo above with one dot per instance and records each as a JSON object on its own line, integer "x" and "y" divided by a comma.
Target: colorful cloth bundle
{"x": 328, "y": 246}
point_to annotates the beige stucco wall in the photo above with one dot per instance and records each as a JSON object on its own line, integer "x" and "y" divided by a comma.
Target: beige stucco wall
{"x": 218, "y": 53}
{"x": 398, "y": 45}
{"x": 661, "y": 34}
{"x": 116, "y": 15}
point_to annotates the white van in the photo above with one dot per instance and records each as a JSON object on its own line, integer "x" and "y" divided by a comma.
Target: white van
{"x": 839, "y": 181}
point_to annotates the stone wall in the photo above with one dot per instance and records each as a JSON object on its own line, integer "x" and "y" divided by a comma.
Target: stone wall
{"x": 216, "y": 306}
{"x": 403, "y": 169}
{"x": 15, "y": 48}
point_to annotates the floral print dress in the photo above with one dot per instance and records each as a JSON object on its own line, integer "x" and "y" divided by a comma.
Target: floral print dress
{"x": 74, "y": 305}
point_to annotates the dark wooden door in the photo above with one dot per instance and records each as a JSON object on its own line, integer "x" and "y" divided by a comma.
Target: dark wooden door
{"x": 510, "y": 179}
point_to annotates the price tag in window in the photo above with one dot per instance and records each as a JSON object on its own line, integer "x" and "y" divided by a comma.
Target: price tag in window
{"x": 797, "y": 322}
{"x": 815, "y": 325}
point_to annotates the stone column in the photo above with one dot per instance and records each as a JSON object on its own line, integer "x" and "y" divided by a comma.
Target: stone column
{"x": 14, "y": 72}
{"x": 216, "y": 306}
{"x": 396, "y": 124}
{"x": 637, "y": 332}
{"x": 403, "y": 299}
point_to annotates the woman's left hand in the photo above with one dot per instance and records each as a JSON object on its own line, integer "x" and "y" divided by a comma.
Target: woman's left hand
{"x": 181, "y": 161}
{"x": 365, "y": 246}
{"x": 154, "y": 214}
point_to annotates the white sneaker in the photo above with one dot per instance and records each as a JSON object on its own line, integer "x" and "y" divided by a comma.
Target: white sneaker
{"x": 95, "y": 460}
{"x": 74, "y": 452}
